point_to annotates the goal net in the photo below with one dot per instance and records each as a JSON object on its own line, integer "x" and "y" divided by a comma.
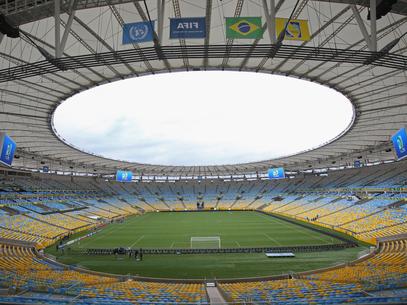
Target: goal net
{"x": 208, "y": 242}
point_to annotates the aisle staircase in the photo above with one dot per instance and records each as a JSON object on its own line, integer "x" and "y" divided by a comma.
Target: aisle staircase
{"x": 215, "y": 296}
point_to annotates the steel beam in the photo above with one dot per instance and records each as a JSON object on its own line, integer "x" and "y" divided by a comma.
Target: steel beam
{"x": 104, "y": 43}
{"x": 208, "y": 16}
{"x": 67, "y": 28}
{"x": 362, "y": 26}
{"x": 57, "y": 27}
{"x": 145, "y": 18}
{"x": 270, "y": 19}
{"x": 177, "y": 13}
{"x": 373, "y": 29}
{"x": 229, "y": 42}
{"x": 160, "y": 19}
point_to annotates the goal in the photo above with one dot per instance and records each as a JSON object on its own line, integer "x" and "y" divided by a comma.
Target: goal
{"x": 208, "y": 242}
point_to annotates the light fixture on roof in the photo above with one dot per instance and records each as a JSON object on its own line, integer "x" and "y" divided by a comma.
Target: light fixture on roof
{"x": 383, "y": 7}
{"x": 7, "y": 28}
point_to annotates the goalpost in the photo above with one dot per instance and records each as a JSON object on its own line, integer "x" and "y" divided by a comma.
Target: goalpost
{"x": 207, "y": 242}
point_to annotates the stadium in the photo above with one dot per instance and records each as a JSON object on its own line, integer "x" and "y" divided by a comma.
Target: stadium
{"x": 325, "y": 225}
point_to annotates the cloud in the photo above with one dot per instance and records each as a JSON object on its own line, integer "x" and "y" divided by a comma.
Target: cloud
{"x": 196, "y": 118}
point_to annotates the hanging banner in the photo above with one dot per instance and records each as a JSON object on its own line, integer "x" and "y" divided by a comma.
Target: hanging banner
{"x": 7, "y": 149}
{"x": 244, "y": 28}
{"x": 138, "y": 32}
{"x": 181, "y": 28}
{"x": 296, "y": 30}
{"x": 399, "y": 140}
{"x": 124, "y": 176}
{"x": 276, "y": 173}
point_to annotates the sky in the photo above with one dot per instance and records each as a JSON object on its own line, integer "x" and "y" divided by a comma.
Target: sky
{"x": 203, "y": 118}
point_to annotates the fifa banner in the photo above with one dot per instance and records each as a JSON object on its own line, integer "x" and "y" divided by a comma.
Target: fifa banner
{"x": 296, "y": 30}
{"x": 7, "y": 149}
{"x": 276, "y": 173}
{"x": 187, "y": 28}
{"x": 138, "y": 32}
{"x": 124, "y": 176}
{"x": 400, "y": 143}
{"x": 244, "y": 28}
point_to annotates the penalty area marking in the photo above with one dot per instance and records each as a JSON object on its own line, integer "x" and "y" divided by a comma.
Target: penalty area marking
{"x": 272, "y": 239}
{"x": 110, "y": 229}
{"x": 293, "y": 227}
{"x": 138, "y": 239}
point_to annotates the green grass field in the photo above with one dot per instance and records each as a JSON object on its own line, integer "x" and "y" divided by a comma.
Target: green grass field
{"x": 174, "y": 230}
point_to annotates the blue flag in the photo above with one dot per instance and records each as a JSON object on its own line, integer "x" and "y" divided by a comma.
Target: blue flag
{"x": 194, "y": 27}
{"x": 276, "y": 173}
{"x": 400, "y": 143}
{"x": 124, "y": 176}
{"x": 7, "y": 149}
{"x": 138, "y": 32}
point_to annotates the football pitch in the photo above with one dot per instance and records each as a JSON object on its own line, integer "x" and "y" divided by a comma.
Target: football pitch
{"x": 236, "y": 229}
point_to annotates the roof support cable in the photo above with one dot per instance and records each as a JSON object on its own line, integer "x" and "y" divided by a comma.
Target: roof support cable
{"x": 156, "y": 41}
{"x": 384, "y": 51}
{"x": 281, "y": 36}
{"x": 48, "y": 57}
{"x": 177, "y": 13}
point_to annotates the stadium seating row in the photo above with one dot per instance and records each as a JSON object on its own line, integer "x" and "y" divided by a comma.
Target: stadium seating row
{"x": 22, "y": 269}
{"x": 368, "y": 204}
{"x": 385, "y": 270}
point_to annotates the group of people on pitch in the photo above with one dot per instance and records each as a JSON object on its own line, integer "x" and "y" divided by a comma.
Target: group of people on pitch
{"x": 138, "y": 254}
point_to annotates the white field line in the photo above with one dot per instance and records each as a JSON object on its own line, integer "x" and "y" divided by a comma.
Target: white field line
{"x": 172, "y": 245}
{"x": 101, "y": 235}
{"x": 238, "y": 244}
{"x": 272, "y": 239}
{"x": 293, "y": 227}
{"x": 138, "y": 239}
{"x": 109, "y": 231}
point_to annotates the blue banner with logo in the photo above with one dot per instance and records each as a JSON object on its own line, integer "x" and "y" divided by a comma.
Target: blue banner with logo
{"x": 399, "y": 140}
{"x": 124, "y": 176}
{"x": 357, "y": 163}
{"x": 138, "y": 32}
{"x": 276, "y": 173}
{"x": 45, "y": 169}
{"x": 8, "y": 148}
{"x": 194, "y": 27}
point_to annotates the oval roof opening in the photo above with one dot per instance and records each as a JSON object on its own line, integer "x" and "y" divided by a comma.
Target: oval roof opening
{"x": 203, "y": 118}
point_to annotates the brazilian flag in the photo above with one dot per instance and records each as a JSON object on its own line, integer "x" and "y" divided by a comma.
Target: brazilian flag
{"x": 244, "y": 28}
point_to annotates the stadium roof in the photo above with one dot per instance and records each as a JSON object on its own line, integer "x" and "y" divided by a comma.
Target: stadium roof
{"x": 365, "y": 60}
